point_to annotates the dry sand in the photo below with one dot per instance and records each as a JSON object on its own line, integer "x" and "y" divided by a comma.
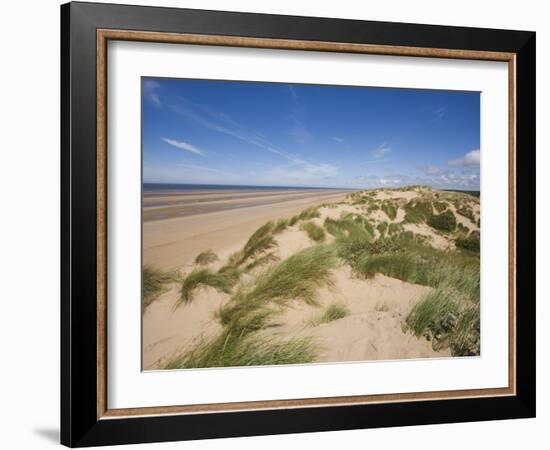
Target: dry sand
{"x": 371, "y": 331}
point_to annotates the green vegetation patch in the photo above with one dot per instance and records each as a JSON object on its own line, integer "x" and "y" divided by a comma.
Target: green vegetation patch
{"x": 229, "y": 350}
{"x": 440, "y": 206}
{"x": 446, "y": 221}
{"x": 255, "y": 307}
{"x": 470, "y": 243}
{"x": 206, "y": 257}
{"x": 396, "y": 265}
{"x": 154, "y": 283}
{"x": 198, "y": 278}
{"x": 382, "y": 228}
{"x": 314, "y": 232}
{"x": 334, "y": 311}
{"x": 467, "y": 212}
{"x": 390, "y": 210}
{"x": 418, "y": 211}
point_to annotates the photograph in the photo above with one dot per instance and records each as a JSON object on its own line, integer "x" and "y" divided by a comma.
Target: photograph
{"x": 296, "y": 224}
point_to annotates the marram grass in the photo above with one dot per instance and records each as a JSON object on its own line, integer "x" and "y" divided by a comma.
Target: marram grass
{"x": 206, "y": 257}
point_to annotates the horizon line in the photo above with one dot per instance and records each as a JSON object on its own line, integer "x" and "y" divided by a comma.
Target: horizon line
{"x": 308, "y": 187}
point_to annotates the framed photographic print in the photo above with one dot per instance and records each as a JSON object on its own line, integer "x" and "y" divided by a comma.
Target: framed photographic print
{"x": 276, "y": 224}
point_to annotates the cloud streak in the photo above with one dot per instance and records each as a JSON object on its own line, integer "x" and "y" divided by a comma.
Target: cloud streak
{"x": 469, "y": 159}
{"x": 222, "y": 123}
{"x": 184, "y": 146}
{"x": 150, "y": 92}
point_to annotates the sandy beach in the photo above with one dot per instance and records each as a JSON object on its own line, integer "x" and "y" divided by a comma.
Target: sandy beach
{"x": 178, "y": 226}
{"x": 346, "y": 316}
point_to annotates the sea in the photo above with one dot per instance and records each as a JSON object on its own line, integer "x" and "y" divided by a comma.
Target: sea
{"x": 173, "y": 187}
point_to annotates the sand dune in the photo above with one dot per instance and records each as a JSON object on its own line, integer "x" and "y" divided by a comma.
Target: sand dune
{"x": 372, "y": 328}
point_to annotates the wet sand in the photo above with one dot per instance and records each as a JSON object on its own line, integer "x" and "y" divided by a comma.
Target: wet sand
{"x": 178, "y": 226}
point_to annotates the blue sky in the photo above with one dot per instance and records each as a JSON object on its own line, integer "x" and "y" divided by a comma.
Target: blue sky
{"x": 273, "y": 134}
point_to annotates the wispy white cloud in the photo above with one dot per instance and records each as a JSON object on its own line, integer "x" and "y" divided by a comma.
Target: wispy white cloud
{"x": 185, "y": 146}
{"x": 150, "y": 91}
{"x": 293, "y": 93}
{"x": 337, "y": 139}
{"x": 380, "y": 151}
{"x": 299, "y": 132}
{"x": 222, "y": 123}
{"x": 469, "y": 159}
{"x": 440, "y": 112}
{"x": 378, "y": 155}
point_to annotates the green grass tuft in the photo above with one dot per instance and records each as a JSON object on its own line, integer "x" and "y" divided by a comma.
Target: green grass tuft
{"x": 206, "y": 257}
{"x": 221, "y": 281}
{"x": 333, "y": 312}
{"x": 281, "y": 225}
{"x": 229, "y": 350}
{"x": 449, "y": 317}
{"x": 395, "y": 265}
{"x": 395, "y": 228}
{"x": 154, "y": 283}
{"x": 262, "y": 261}
{"x": 382, "y": 228}
{"x": 298, "y": 277}
{"x": 261, "y": 241}
{"x": 389, "y": 209}
{"x": 309, "y": 213}
{"x": 314, "y": 232}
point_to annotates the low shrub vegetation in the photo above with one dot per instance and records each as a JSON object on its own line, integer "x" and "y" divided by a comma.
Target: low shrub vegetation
{"x": 467, "y": 212}
{"x": 382, "y": 227}
{"x": 446, "y": 221}
{"x": 469, "y": 243}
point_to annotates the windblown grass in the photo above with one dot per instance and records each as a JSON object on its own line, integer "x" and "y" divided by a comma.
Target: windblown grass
{"x": 333, "y": 312}
{"x": 261, "y": 241}
{"x": 396, "y": 265}
{"x": 314, "y": 232}
{"x": 309, "y": 213}
{"x": 254, "y": 308}
{"x": 221, "y": 281}
{"x": 298, "y": 277}
{"x": 261, "y": 261}
{"x": 154, "y": 283}
{"x": 449, "y": 316}
{"x": 206, "y": 257}
{"x": 229, "y": 350}
{"x": 280, "y": 225}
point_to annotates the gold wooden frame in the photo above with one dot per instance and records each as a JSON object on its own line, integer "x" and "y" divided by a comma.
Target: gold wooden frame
{"x": 104, "y": 35}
